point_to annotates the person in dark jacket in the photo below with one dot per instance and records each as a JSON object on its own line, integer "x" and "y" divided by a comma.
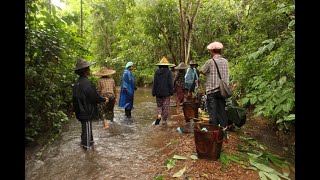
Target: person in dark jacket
{"x": 162, "y": 89}
{"x": 85, "y": 99}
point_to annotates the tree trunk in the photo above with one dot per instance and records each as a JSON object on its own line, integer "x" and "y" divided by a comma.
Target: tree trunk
{"x": 186, "y": 26}
{"x": 190, "y": 30}
{"x": 81, "y": 25}
{"x": 182, "y": 28}
{"x": 49, "y": 6}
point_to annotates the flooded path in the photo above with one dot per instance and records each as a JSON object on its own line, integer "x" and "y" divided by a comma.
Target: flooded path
{"x": 135, "y": 149}
{"x": 123, "y": 151}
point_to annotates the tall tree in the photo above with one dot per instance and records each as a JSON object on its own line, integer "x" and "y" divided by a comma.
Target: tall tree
{"x": 188, "y": 15}
{"x": 81, "y": 18}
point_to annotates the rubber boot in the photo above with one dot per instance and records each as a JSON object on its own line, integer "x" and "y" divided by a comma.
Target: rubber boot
{"x": 128, "y": 113}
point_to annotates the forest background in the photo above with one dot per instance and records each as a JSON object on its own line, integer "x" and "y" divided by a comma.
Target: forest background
{"x": 258, "y": 38}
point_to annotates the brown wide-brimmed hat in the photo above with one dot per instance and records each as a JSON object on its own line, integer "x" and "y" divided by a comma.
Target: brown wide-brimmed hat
{"x": 192, "y": 62}
{"x": 103, "y": 72}
{"x": 172, "y": 66}
{"x": 182, "y": 65}
{"x": 82, "y": 64}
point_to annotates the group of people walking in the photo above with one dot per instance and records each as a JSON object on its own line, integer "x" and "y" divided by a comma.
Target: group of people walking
{"x": 89, "y": 102}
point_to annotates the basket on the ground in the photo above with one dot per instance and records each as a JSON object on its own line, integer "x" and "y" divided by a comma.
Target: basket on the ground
{"x": 190, "y": 109}
{"x": 208, "y": 143}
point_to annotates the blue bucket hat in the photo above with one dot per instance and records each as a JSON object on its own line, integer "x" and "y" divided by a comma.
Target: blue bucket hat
{"x": 129, "y": 64}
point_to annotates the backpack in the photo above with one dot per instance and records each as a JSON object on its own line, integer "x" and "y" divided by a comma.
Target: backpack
{"x": 236, "y": 114}
{"x": 190, "y": 77}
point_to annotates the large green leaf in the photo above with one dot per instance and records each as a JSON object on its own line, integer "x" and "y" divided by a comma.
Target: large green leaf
{"x": 262, "y": 175}
{"x": 180, "y": 172}
{"x": 170, "y": 163}
{"x": 266, "y": 169}
{"x": 194, "y": 157}
{"x": 179, "y": 157}
{"x": 290, "y": 117}
{"x": 261, "y": 166}
{"x": 224, "y": 159}
{"x": 271, "y": 176}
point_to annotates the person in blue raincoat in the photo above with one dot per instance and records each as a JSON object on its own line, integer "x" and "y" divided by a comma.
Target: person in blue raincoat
{"x": 127, "y": 90}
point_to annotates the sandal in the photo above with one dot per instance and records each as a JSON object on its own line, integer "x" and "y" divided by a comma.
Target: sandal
{"x": 157, "y": 121}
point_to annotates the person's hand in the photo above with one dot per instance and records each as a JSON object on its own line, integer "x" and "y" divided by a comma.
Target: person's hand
{"x": 107, "y": 100}
{"x": 197, "y": 84}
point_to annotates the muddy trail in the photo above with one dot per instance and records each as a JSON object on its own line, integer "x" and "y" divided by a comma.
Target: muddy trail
{"x": 128, "y": 149}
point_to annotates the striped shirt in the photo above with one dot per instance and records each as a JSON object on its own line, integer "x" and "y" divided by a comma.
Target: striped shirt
{"x": 211, "y": 73}
{"x": 106, "y": 85}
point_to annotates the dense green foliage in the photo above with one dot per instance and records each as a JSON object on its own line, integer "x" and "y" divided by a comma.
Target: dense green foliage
{"x": 51, "y": 49}
{"x": 258, "y": 36}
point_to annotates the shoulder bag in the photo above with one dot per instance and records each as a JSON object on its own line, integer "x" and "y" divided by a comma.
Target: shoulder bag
{"x": 223, "y": 87}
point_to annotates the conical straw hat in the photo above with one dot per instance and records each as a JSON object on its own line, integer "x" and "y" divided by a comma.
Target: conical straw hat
{"x": 103, "y": 72}
{"x": 182, "y": 65}
{"x": 164, "y": 62}
{"x": 192, "y": 62}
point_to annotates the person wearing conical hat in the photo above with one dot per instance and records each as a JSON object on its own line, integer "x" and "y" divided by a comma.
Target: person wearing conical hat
{"x": 179, "y": 86}
{"x": 162, "y": 89}
{"x": 215, "y": 102}
{"x": 127, "y": 90}
{"x": 106, "y": 87}
{"x": 85, "y": 99}
{"x": 195, "y": 65}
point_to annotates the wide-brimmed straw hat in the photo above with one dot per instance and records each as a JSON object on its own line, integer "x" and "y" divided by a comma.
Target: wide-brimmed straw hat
{"x": 103, "y": 72}
{"x": 164, "y": 62}
{"x": 172, "y": 66}
{"x": 215, "y": 45}
{"x": 192, "y": 62}
{"x": 182, "y": 65}
{"x": 82, "y": 64}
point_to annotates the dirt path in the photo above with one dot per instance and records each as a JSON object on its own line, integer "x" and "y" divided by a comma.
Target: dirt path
{"x": 139, "y": 150}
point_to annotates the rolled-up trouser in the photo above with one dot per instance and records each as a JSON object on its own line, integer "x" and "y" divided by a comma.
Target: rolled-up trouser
{"x": 86, "y": 133}
{"x": 216, "y": 109}
{"x": 163, "y": 106}
{"x": 106, "y": 110}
